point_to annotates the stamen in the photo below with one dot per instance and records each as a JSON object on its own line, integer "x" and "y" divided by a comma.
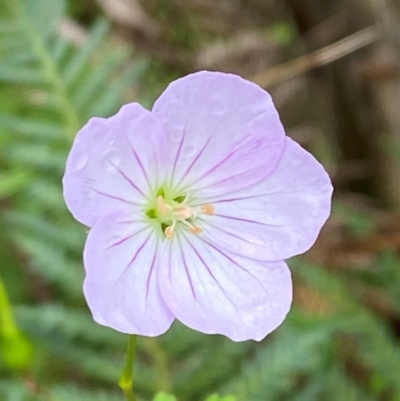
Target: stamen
{"x": 196, "y": 230}
{"x": 183, "y": 212}
{"x": 179, "y": 212}
{"x": 208, "y": 209}
{"x": 162, "y": 206}
{"x": 192, "y": 228}
{"x": 170, "y": 230}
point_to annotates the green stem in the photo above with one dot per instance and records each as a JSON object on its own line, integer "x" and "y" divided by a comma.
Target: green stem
{"x": 8, "y": 326}
{"x": 126, "y": 379}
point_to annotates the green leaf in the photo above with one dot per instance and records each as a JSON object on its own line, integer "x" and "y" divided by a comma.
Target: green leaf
{"x": 21, "y": 75}
{"x": 30, "y": 126}
{"x": 13, "y": 182}
{"x": 216, "y": 397}
{"x": 84, "y": 95}
{"x": 105, "y": 105}
{"x": 75, "y": 66}
{"x": 43, "y": 15}
{"x": 16, "y": 349}
{"x": 164, "y": 397}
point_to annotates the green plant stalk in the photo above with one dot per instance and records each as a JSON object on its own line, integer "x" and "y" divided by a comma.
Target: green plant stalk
{"x": 126, "y": 379}
{"x": 15, "y": 348}
{"x": 7, "y": 323}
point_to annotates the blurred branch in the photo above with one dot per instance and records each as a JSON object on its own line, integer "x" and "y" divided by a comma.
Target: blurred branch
{"x": 318, "y": 58}
{"x": 131, "y": 14}
{"x": 384, "y": 68}
{"x": 388, "y": 15}
{"x": 244, "y": 53}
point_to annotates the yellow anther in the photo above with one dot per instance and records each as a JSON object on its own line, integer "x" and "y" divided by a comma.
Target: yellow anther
{"x": 195, "y": 230}
{"x": 169, "y": 232}
{"x": 208, "y": 209}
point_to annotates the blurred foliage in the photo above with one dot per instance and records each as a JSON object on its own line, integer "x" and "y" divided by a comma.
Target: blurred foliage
{"x": 340, "y": 341}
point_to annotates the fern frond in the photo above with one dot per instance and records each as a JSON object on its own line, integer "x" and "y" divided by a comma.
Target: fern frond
{"x": 13, "y": 390}
{"x": 294, "y": 351}
{"x": 70, "y": 325}
{"x": 51, "y": 100}
{"x": 71, "y": 393}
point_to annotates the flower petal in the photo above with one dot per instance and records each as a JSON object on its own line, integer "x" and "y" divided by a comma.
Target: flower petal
{"x": 112, "y": 162}
{"x": 217, "y": 292}
{"x": 224, "y": 132}
{"x": 121, "y": 285}
{"x": 279, "y": 217}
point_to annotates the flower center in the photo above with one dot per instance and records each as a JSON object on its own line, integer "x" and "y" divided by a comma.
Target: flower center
{"x": 176, "y": 211}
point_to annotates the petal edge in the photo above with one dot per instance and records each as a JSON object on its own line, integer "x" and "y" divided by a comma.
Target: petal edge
{"x": 216, "y": 292}
{"x": 121, "y": 284}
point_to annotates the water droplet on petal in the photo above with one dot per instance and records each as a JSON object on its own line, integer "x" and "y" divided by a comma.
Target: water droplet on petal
{"x": 189, "y": 151}
{"x": 87, "y": 199}
{"x": 89, "y": 181}
{"x": 218, "y": 106}
{"x": 172, "y": 110}
{"x": 112, "y": 160}
{"x": 176, "y": 135}
{"x": 80, "y": 161}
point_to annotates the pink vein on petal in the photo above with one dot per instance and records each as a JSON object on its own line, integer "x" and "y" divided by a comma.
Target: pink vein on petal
{"x": 187, "y": 272}
{"x": 211, "y": 273}
{"x": 151, "y": 270}
{"x": 139, "y": 162}
{"x": 239, "y": 174}
{"x": 224, "y": 160}
{"x": 225, "y": 179}
{"x": 256, "y": 196}
{"x": 179, "y": 150}
{"x": 133, "y": 259}
{"x": 232, "y": 261}
{"x": 121, "y": 241}
{"x": 216, "y": 227}
{"x": 126, "y": 178}
{"x": 113, "y": 197}
{"x": 196, "y": 158}
{"x": 203, "y": 149}
{"x": 213, "y": 168}
{"x": 249, "y": 221}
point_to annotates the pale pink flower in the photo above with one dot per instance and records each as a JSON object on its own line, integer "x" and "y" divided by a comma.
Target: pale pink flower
{"x": 193, "y": 208}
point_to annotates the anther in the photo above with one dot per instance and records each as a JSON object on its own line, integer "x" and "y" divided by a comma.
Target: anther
{"x": 208, "y": 209}
{"x": 180, "y": 212}
{"x": 196, "y": 230}
{"x": 192, "y": 228}
{"x": 169, "y": 232}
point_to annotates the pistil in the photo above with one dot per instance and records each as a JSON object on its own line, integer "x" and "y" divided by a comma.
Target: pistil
{"x": 173, "y": 212}
{"x": 162, "y": 206}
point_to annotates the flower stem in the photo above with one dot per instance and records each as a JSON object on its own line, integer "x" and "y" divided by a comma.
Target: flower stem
{"x": 126, "y": 379}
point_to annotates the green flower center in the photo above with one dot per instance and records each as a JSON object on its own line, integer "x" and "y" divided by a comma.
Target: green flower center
{"x": 171, "y": 211}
